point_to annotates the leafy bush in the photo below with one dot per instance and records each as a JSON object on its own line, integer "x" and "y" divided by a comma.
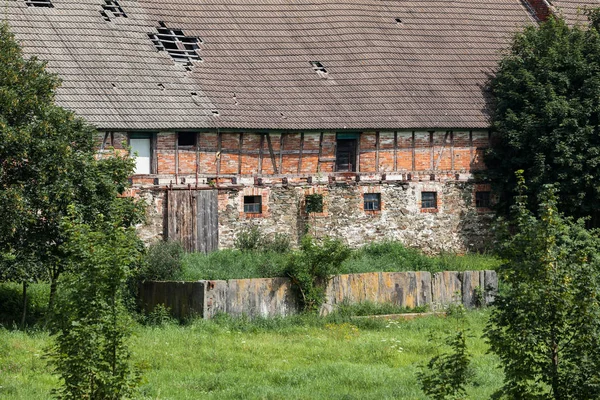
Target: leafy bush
{"x": 248, "y": 238}
{"x": 159, "y": 316}
{"x": 311, "y": 268}
{"x": 163, "y": 262}
{"x": 280, "y": 243}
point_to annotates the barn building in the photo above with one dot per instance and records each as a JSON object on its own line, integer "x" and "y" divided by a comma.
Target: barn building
{"x": 366, "y": 119}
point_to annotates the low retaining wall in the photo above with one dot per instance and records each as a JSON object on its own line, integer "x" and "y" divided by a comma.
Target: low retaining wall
{"x": 271, "y": 297}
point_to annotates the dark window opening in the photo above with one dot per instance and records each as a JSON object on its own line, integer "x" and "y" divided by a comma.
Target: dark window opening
{"x": 313, "y": 203}
{"x": 180, "y": 47}
{"x": 428, "y": 199}
{"x": 482, "y": 199}
{"x": 317, "y": 66}
{"x": 253, "y": 204}
{"x": 345, "y": 156}
{"x": 372, "y": 201}
{"x": 39, "y": 3}
{"x": 186, "y": 139}
{"x": 112, "y": 8}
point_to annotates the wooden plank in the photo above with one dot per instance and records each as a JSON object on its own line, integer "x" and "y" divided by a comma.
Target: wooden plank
{"x": 271, "y": 153}
{"x": 452, "y": 150}
{"x": 241, "y": 143}
{"x": 207, "y": 225}
{"x": 281, "y": 142}
{"x": 413, "y": 150}
{"x": 301, "y": 152}
{"x": 320, "y": 152}
{"x": 395, "y": 150}
{"x": 180, "y": 226}
{"x": 377, "y": 151}
{"x": 260, "y": 152}
{"x": 431, "y": 151}
{"x": 219, "y": 148}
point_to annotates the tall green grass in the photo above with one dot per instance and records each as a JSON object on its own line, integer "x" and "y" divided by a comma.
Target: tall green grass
{"x": 375, "y": 257}
{"x": 302, "y": 357}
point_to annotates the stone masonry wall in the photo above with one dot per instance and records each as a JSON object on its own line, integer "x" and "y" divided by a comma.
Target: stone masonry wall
{"x": 456, "y": 225}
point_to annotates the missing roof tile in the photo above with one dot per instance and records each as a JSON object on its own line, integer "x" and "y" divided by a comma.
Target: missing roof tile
{"x": 181, "y": 48}
{"x": 39, "y": 3}
{"x": 398, "y": 21}
{"x": 317, "y": 66}
{"x": 112, "y": 9}
{"x": 215, "y": 113}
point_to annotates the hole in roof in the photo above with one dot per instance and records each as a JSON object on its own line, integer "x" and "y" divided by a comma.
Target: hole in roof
{"x": 181, "y": 48}
{"x": 215, "y": 113}
{"x": 112, "y": 9}
{"x": 114, "y": 85}
{"x": 39, "y": 3}
{"x": 398, "y": 21}
{"x": 161, "y": 86}
{"x": 194, "y": 94}
{"x": 319, "y": 68}
{"x": 162, "y": 23}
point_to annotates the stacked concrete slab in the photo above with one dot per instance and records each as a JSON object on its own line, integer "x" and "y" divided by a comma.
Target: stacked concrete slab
{"x": 270, "y": 297}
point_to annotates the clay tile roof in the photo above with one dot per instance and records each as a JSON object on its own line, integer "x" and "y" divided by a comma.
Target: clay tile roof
{"x": 572, "y": 10}
{"x": 428, "y": 71}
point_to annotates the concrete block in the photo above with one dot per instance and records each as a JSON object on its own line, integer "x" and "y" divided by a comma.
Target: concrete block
{"x": 446, "y": 288}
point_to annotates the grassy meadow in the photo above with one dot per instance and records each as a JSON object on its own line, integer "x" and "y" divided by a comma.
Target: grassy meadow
{"x": 301, "y": 357}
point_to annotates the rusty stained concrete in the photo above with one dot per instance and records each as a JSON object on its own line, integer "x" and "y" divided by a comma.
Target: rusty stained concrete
{"x": 270, "y": 297}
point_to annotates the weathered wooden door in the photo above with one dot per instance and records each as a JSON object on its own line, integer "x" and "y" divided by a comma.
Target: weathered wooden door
{"x": 192, "y": 219}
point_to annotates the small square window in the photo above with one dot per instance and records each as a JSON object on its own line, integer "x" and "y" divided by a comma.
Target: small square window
{"x": 314, "y": 203}
{"x": 186, "y": 139}
{"x": 428, "y": 199}
{"x": 482, "y": 199}
{"x": 253, "y": 204}
{"x": 372, "y": 201}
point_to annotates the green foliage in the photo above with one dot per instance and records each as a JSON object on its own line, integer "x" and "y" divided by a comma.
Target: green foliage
{"x": 48, "y": 165}
{"x": 545, "y": 325}
{"x": 375, "y": 257}
{"x": 248, "y": 238}
{"x": 11, "y": 303}
{"x": 163, "y": 262}
{"x": 313, "y": 203}
{"x": 159, "y": 316}
{"x": 312, "y": 266}
{"x": 547, "y": 114}
{"x": 91, "y": 326}
{"x": 448, "y": 374}
{"x": 251, "y": 238}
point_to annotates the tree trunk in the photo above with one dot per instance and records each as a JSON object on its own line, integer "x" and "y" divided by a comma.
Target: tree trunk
{"x": 24, "y": 311}
{"x": 53, "y": 286}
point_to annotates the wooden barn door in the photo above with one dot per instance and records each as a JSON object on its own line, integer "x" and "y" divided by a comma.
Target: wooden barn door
{"x": 192, "y": 219}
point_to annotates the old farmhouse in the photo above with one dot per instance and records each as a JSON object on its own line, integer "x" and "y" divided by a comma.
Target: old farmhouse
{"x": 374, "y": 112}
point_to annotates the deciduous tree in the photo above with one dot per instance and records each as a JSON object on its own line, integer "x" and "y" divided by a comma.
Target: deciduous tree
{"x": 547, "y": 116}
{"x": 546, "y": 322}
{"x": 47, "y": 164}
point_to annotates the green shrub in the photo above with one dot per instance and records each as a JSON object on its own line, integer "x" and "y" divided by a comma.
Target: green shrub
{"x": 280, "y": 243}
{"x": 312, "y": 267}
{"x": 159, "y": 316}
{"x": 163, "y": 262}
{"x": 248, "y": 238}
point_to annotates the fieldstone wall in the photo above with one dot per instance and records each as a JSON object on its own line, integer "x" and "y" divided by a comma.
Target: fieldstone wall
{"x": 272, "y": 297}
{"x": 456, "y": 225}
